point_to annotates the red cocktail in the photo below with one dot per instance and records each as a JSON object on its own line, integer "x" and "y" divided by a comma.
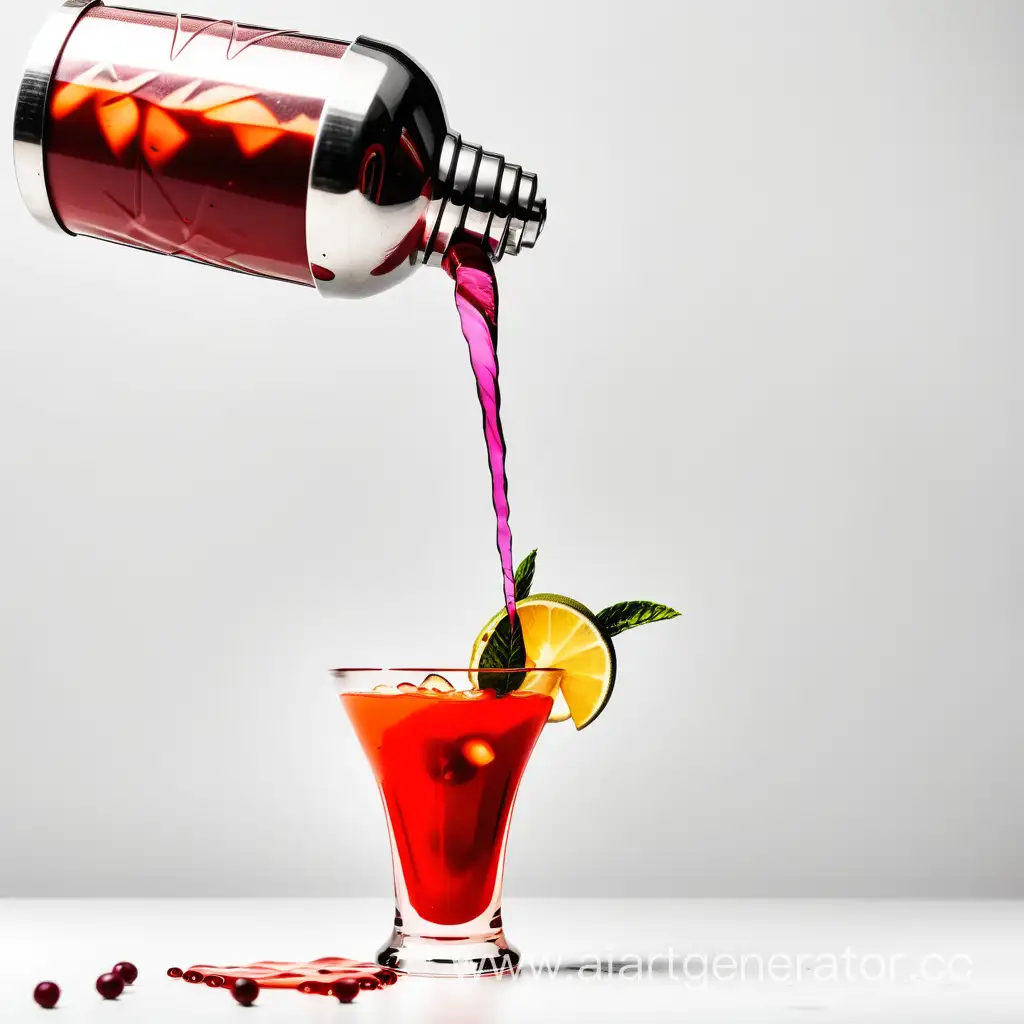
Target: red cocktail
{"x": 448, "y": 764}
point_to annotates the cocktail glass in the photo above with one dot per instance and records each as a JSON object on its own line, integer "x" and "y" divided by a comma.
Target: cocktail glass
{"x": 448, "y": 758}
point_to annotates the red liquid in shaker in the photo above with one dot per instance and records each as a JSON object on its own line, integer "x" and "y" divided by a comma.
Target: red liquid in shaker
{"x": 189, "y": 137}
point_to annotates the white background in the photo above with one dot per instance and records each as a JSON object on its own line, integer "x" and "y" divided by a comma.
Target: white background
{"x": 765, "y": 365}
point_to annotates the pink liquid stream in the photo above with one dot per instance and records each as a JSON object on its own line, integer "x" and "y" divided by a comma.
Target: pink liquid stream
{"x": 476, "y": 297}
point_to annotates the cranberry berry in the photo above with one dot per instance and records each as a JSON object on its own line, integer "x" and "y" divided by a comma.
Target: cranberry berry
{"x": 346, "y": 989}
{"x": 46, "y": 994}
{"x": 245, "y": 991}
{"x": 110, "y": 986}
{"x": 126, "y": 972}
{"x": 174, "y": 972}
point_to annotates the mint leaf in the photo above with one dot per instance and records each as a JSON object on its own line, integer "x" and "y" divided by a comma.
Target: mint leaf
{"x": 505, "y": 650}
{"x": 524, "y": 575}
{"x": 629, "y": 614}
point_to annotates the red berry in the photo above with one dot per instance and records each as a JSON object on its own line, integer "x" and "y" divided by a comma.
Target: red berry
{"x": 346, "y": 989}
{"x": 174, "y": 972}
{"x": 110, "y": 986}
{"x": 126, "y": 972}
{"x": 245, "y": 991}
{"x": 46, "y": 994}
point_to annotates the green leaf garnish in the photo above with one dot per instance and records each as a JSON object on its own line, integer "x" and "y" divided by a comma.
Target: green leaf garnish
{"x": 524, "y": 575}
{"x": 505, "y": 649}
{"x": 630, "y": 614}
{"x": 504, "y": 653}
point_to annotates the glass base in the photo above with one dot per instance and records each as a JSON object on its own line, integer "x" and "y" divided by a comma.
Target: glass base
{"x": 469, "y": 956}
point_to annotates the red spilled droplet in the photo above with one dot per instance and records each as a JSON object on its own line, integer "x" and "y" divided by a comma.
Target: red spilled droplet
{"x": 346, "y": 989}
{"x": 317, "y": 977}
{"x": 245, "y": 991}
{"x": 126, "y": 971}
{"x": 46, "y": 994}
{"x": 110, "y": 986}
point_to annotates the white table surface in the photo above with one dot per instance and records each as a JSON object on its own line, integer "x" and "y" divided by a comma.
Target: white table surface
{"x": 980, "y": 979}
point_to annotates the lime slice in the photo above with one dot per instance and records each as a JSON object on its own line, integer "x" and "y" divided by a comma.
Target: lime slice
{"x": 559, "y": 632}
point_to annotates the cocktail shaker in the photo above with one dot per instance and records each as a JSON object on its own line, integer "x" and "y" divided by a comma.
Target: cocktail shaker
{"x": 289, "y": 156}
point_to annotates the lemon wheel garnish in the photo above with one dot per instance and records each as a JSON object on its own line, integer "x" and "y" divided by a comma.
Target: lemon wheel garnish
{"x": 559, "y": 632}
